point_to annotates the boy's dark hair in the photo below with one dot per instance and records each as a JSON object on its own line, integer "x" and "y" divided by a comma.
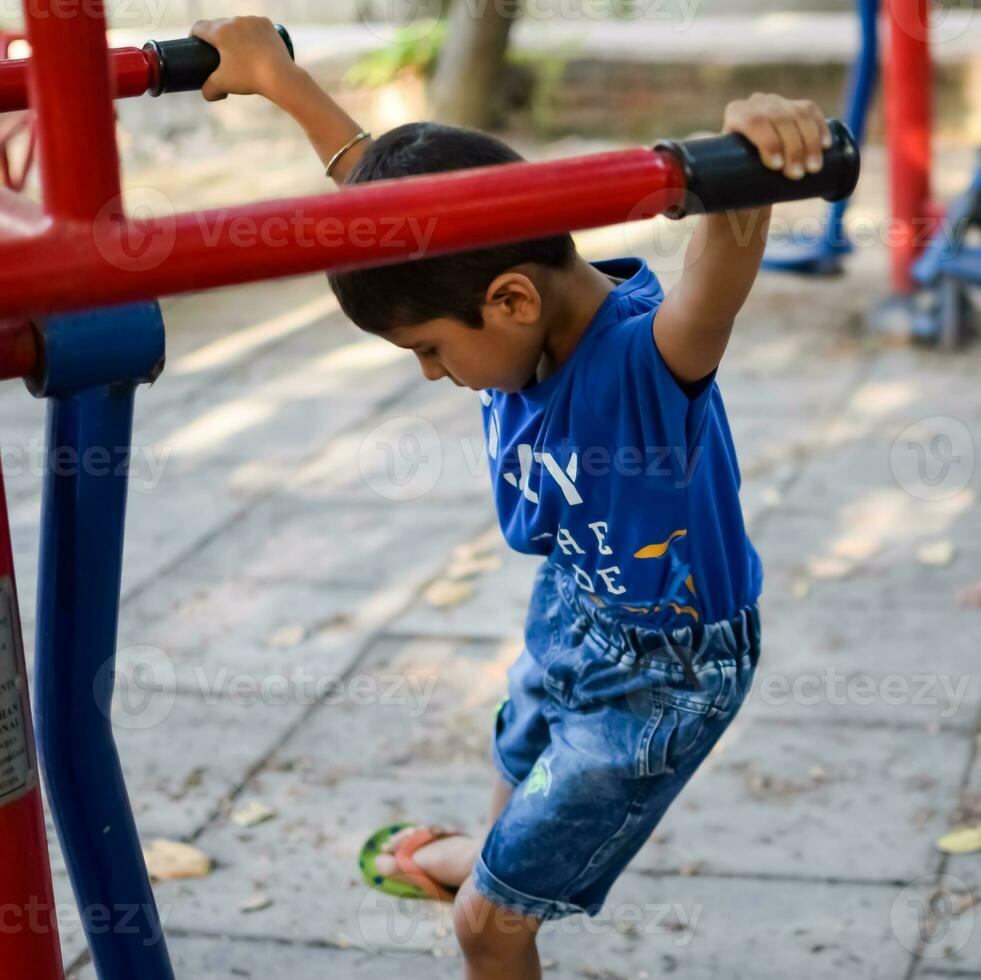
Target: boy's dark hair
{"x": 451, "y": 286}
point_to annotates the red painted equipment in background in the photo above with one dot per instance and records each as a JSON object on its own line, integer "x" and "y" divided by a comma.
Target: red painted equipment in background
{"x": 28, "y": 930}
{"x": 16, "y": 127}
{"x": 907, "y": 96}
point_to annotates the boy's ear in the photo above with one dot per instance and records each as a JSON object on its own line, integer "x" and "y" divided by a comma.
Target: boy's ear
{"x": 516, "y": 296}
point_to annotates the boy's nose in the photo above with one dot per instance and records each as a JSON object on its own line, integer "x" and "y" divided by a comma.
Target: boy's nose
{"x": 432, "y": 371}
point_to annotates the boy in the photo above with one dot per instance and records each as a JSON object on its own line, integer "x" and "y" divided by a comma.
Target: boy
{"x": 611, "y": 456}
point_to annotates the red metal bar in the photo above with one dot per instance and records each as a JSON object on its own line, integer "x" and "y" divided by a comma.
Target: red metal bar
{"x": 907, "y": 91}
{"x": 119, "y": 260}
{"x": 29, "y": 944}
{"x": 71, "y": 93}
{"x": 18, "y": 350}
{"x": 132, "y": 70}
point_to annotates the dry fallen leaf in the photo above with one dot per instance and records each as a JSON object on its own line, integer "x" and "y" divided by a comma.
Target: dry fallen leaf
{"x": 961, "y": 840}
{"x": 168, "y": 860}
{"x": 288, "y": 636}
{"x": 252, "y": 814}
{"x": 817, "y": 774}
{"x": 466, "y": 568}
{"x": 445, "y": 593}
{"x": 936, "y": 553}
{"x": 256, "y": 902}
{"x": 830, "y": 568}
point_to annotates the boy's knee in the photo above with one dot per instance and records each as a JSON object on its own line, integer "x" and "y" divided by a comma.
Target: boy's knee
{"x": 488, "y": 931}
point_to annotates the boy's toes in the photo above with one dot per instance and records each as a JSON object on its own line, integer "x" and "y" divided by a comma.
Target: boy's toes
{"x": 386, "y": 865}
{"x": 393, "y": 842}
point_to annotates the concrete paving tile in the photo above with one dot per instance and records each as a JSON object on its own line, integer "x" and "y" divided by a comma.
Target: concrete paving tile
{"x": 257, "y": 415}
{"x": 833, "y": 662}
{"x": 900, "y": 481}
{"x": 182, "y": 756}
{"x": 703, "y": 927}
{"x": 218, "y": 958}
{"x": 287, "y": 642}
{"x": 798, "y": 801}
{"x": 351, "y": 545}
{"x": 496, "y": 608}
{"x": 305, "y": 859}
{"x": 415, "y": 709}
{"x": 429, "y": 446}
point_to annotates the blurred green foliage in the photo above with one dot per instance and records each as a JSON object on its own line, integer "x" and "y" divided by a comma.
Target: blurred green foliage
{"x": 408, "y": 51}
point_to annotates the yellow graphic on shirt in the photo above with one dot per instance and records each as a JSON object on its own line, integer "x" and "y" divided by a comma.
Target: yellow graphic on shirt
{"x": 660, "y": 550}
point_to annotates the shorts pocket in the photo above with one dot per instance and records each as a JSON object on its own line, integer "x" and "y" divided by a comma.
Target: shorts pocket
{"x": 585, "y": 671}
{"x": 672, "y": 733}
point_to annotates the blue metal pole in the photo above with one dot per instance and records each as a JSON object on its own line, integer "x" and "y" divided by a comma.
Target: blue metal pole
{"x": 823, "y": 257}
{"x": 861, "y": 87}
{"x": 83, "y": 515}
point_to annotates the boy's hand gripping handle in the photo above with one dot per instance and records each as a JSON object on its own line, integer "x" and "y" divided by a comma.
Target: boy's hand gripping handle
{"x": 725, "y": 173}
{"x": 186, "y": 64}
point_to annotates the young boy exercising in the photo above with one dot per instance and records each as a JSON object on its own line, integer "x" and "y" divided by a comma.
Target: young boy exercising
{"x": 610, "y": 455}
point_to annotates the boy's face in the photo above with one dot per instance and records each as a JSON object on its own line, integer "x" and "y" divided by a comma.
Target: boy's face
{"x": 503, "y": 354}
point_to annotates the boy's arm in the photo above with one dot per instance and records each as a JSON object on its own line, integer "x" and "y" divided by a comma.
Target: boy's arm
{"x": 693, "y": 324}
{"x": 254, "y": 61}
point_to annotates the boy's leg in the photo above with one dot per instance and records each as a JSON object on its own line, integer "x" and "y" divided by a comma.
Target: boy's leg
{"x": 497, "y": 944}
{"x": 520, "y": 736}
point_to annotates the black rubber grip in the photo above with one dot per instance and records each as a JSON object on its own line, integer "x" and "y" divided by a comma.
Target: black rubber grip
{"x": 186, "y": 64}
{"x": 725, "y": 173}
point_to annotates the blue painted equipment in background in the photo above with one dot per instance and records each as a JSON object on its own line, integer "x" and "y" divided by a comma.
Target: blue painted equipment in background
{"x": 93, "y": 363}
{"x": 950, "y": 266}
{"x": 823, "y": 256}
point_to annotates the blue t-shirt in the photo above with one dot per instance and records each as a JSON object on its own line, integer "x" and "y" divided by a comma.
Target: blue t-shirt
{"x": 623, "y": 478}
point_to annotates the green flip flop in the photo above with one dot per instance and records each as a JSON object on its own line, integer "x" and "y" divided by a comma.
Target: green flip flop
{"x": 411, "y": 881}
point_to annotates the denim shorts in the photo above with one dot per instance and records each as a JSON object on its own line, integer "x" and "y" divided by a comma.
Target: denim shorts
{"x": 604, "y": 724}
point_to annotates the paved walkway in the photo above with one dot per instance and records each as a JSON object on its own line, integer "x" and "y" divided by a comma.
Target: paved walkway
{"x": 318, "y": 616}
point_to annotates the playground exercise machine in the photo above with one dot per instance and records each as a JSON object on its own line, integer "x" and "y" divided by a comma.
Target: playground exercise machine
{"x": 80, "y": 322}
{"x": 15, "y": 127}
{"x": 933, "y": 263}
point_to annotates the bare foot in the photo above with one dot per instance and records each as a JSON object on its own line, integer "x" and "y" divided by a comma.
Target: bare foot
{"x": 448, "y": 861}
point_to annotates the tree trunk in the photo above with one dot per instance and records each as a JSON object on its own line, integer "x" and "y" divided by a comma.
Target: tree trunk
{"x": 467, "y": 83}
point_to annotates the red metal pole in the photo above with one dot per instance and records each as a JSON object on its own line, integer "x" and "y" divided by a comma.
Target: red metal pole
{"x": 18, "y": 350}
{"x": 133, "y": 73}
{"x": 20, "y": 218}
{"x": 71, "y": 94}
{"x": 907, "y": 90}
{"x": 29, "y": 944}
{"x": 74, "y": 267}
